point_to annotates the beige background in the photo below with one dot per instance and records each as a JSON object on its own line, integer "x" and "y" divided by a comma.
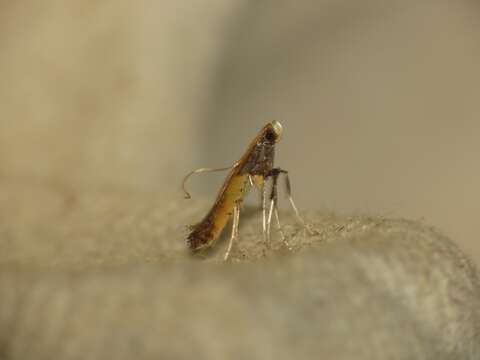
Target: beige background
{"x": 379, "y": 100}
{"x": 105, "y": 105}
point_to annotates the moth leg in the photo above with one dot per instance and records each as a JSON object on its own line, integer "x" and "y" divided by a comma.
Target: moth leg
{"x": 234, "y": 235}
{"x": 269, "y": 221}
{"x": 288, "y": 187}
{"x": 274, "y": 198}
{"x": 273, "y": 204}
{"x": 279, "y": 227}
{"x": 264, "y": 212}
{"x": 250, "y": 180}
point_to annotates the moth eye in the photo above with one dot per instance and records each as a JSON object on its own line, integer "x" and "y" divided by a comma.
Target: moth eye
{"x": 270, "y": 135}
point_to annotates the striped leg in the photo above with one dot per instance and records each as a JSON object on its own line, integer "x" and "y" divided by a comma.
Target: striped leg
{"x": 234, "y": 235}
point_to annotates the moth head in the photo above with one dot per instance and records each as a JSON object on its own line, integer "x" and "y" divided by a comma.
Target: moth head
{"x": 274, "y": 131}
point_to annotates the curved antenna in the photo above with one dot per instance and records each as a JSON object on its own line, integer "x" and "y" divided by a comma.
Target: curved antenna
{"x": 198, "y": 171}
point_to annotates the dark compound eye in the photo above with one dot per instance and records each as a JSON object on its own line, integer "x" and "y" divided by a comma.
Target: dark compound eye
{"x": 270, "y": 135}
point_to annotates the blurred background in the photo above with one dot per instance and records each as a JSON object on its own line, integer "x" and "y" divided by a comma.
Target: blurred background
{"x": 379, "y": 99}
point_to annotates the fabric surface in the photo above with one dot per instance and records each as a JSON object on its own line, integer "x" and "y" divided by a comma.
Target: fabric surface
{"x": 107, "y": 275}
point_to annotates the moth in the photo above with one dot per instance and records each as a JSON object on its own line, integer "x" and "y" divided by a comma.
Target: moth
{"x": 254, "y": 169}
